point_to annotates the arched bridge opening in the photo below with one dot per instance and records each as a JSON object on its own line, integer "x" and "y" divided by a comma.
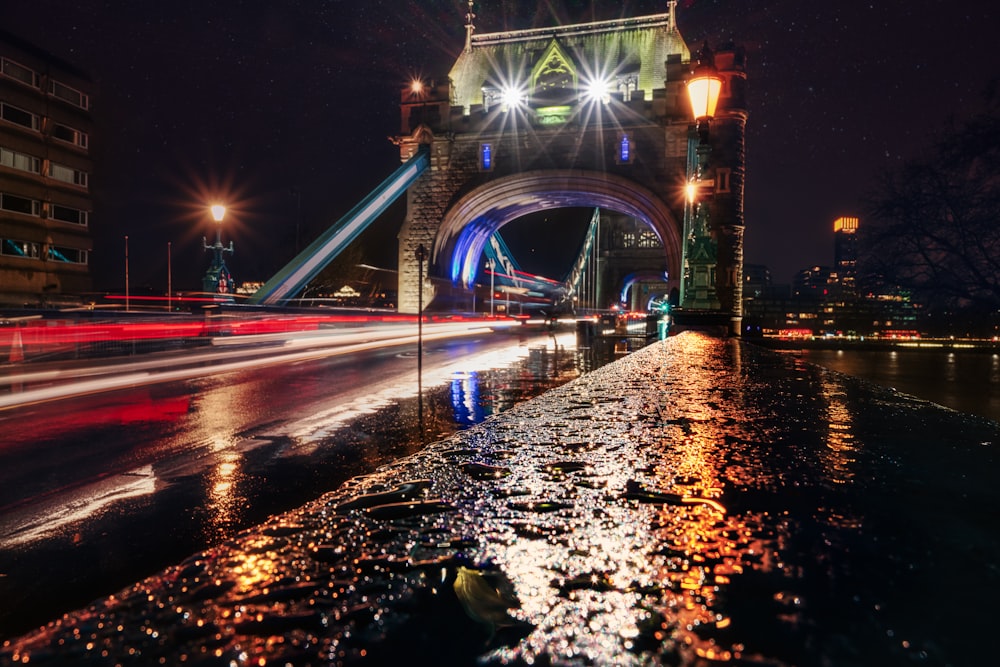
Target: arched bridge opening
{"x": 468, "y": 224}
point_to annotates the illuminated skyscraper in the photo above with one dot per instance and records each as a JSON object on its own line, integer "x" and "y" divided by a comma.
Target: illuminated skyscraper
{"x": 845, "y": 252}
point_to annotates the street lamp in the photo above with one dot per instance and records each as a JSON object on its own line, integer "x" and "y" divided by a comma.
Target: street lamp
{"x": 170, "y": 287}
{"x": 700, "y": 249}
{"x": 126, "y": 273}
{"x": 704, "y": 88}
{"x": 421, "y": 254}
{"x": 217, "y": 279}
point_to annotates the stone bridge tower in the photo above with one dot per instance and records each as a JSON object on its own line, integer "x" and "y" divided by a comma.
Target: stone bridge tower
{"x": 587, "y": 115}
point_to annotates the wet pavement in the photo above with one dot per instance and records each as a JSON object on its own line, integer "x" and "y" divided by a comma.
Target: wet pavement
{"x": 699, "y": 502}
{"x": 102, "y": 490}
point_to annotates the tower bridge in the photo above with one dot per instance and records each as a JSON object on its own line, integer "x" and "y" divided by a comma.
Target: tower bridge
{"x": 590, "y": 115}
{"x": 615, "y": 116}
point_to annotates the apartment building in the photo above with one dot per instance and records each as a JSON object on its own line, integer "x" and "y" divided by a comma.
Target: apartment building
{"x": 45, "y": 168}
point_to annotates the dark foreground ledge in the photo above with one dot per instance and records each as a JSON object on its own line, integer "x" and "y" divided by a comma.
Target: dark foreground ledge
{"x": 700, "y": 501}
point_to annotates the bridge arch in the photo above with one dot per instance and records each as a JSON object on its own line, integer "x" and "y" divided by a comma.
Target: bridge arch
{"x": 474, "y": 217}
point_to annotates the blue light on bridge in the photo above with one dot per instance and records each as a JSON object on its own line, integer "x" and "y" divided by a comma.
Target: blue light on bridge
{"x": 486, "y": 157}
{"x": 625, "y": 149}
{"x": 464, "y": 259}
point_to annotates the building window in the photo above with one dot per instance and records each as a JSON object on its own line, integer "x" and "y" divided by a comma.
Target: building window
{"x": 12, "y": 114}
{"x": 67, "y": 214}
{"x": 22, "y": 161}
{"x": 486, "y": 157}
{"x": 647, "y": 238}
{"x": 16, "y": 248}
{"x": 722, "y": 180}
{"x": 68, "y": 94}
{"x": 67, "y": 255}
{"x": 17, "y": 204}
{"x": 69, "y": 135}
{"x": 67, "y": 174}
{"x": 17, "y": 71}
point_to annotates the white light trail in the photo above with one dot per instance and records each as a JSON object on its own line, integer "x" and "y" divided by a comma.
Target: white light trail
{"x": 166, "y": 370}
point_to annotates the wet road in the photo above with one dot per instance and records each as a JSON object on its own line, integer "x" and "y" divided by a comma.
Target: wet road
{"x": 99, "y": 491}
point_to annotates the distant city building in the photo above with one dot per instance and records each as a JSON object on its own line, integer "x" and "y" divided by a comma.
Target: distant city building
{"x": 816, "y": 282}
{"x": 845, "y": 252}
{"x": 45, "y": 167}
{"x": 756, "y": 280}
{"x": 824, "y": 300}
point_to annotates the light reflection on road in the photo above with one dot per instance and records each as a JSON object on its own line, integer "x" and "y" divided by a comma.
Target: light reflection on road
{"x": 67, "y": 509}
{"x": 382, "y": 392}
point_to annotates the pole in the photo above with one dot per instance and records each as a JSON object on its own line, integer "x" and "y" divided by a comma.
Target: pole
{"x": 170, "y": 289}
{"x": 126, "y": 274}
{"x": 421, "y": 256}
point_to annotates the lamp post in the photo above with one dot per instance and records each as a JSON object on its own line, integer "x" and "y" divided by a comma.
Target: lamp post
{"x": 421, "y": 255}
{"x": 700, "y": 250}
{"x": 170, "y": 287}
{"x": 217, "y": 279}
{"x": 126, "y": 273}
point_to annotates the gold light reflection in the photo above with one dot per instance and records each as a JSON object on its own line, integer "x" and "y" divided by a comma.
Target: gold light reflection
{"x": 839, "y": 455}
{"x": 706, "y": 546}
{"x": 225, "y": 505}
{"x": 216, "y": 426}
{"x": 623, "y": 575}
{"x": 252, "y": 567}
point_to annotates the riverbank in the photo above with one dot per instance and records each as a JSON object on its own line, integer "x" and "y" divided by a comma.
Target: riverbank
{"x": 839, "y": 343}
{"x": 699, "y": 500}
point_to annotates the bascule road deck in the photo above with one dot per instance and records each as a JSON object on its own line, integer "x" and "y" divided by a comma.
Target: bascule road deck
{"x": 699, "y": 501}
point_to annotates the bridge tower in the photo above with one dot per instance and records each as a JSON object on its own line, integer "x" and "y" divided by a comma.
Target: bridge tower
{"x": 586, "y": 115}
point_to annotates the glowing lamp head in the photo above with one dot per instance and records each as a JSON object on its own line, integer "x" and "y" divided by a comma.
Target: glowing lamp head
{"x": 703, "y": 91}
{"x": 218, "y": 212}
{"x": 598, "y": 91}
{"x": 691, "y": 190}
{"x": 510, "y": 98}
{"x": 416, "y": 87}
{"x": 704, "y": 86}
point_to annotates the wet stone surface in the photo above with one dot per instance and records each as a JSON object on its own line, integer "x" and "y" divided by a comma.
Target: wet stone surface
{"x": 698, "y": 502}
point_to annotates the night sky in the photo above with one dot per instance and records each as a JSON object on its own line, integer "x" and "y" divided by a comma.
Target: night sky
{"x": 283, "y": 108}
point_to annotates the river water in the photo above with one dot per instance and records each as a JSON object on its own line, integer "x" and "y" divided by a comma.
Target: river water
{"x": 965, "y": 380}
